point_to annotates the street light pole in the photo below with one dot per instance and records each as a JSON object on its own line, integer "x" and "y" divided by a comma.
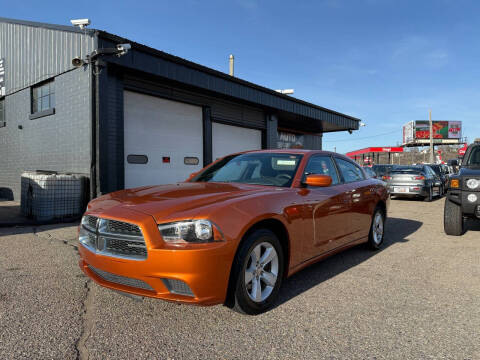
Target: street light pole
{"x": 431, "y": 137}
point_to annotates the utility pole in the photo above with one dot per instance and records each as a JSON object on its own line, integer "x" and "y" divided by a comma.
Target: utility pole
{"x": 431, "y": 137}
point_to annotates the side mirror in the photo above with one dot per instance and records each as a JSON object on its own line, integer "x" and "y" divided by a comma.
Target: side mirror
{"x": 192, "y": 175}
{"x": 318, "y": 180}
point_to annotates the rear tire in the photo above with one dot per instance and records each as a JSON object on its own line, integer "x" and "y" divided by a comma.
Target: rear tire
{"x": 377, "y": 229}
{"x": 257, "y": 281}
{"x": 453, "y": 223}
{"x": 429, "y": 197}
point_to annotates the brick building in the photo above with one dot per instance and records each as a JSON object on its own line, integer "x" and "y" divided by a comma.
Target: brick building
{"x": 130, "y": 119}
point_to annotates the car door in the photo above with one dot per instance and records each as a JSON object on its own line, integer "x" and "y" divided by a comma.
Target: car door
{"x": 330, "y": 207}
{"x": 360, "y": 197}
{"x": 436, "y": 182}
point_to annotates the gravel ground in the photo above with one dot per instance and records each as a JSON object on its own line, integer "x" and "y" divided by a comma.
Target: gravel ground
{"x": 418, "y": 298}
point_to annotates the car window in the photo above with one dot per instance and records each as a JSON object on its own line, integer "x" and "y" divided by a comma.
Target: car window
{"x": 349, "y": 171}
{"x": 273, "y": 169}
{"x": 429, "y": 172}
{"x": 474, "y": 158}
{"x": 322, "y": 165}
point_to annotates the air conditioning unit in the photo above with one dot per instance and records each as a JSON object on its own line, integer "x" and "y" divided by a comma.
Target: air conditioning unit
{"x": 47, "y": 195}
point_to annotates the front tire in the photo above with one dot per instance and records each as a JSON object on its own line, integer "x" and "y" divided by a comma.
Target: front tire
{"x": 453, "y": 219}
{"x": 258, "y": 272}
{"x": 377, "y": 229}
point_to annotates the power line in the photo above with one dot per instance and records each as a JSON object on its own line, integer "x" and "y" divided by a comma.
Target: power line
{"x": 362, "y": 138}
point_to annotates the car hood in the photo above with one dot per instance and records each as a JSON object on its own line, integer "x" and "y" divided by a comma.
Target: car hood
{"x": 170, "y": 202}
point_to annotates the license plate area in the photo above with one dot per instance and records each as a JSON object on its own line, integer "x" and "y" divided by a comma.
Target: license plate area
{"x": 401, "y": 189}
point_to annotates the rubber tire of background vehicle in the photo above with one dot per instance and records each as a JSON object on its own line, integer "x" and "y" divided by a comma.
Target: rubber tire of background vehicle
{"x": 243, "y": 304}
{"x": 371, "y": 243}
{"x": 453, "y": 219}
{"x": 429, "y": 197}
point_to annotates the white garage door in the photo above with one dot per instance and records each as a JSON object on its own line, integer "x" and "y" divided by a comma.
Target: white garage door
{"x": 229, "y": 139}
{"x": 167, "y": 134}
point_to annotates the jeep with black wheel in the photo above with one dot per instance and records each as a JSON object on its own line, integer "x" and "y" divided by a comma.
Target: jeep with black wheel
{"x": 463, "y": 194}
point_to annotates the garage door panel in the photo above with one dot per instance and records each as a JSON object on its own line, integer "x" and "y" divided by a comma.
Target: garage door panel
{"x": 228, "y": 139}
{"x": 166, "y": 132}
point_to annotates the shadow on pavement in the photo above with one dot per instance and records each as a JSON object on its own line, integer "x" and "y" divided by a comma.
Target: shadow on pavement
{"x": 37, "y": 229}
{"x": 397, "y": 232}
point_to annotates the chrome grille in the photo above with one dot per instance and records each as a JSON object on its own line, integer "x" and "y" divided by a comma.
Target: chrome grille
{"x": 122, "y": 280}
{"x": 91, "y": 239}
{"x": 120, "y": 227}
{"x": 126, "y": 247}
{"x": 113, "y": 238}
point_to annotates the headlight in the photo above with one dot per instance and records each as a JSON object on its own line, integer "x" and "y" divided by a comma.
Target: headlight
{"x": 190, "y": 231}
{"x": 472, "y": 198}
{"x": 473, "y": 183}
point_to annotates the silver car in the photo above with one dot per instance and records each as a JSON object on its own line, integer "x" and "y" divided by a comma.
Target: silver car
{"x": 414, "y": 181}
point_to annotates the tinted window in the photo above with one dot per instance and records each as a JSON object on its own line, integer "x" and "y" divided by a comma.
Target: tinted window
{"x": 381, "y": 170}
{"x": 322, "y": 165}
{"x": 349, "y": 171}
{"x": 474, "y": 158}
{"x": 436, "y": 169}
{"x": 275, "y": 169}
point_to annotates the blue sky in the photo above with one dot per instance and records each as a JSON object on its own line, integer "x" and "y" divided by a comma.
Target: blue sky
{"x": 384, "y": 61}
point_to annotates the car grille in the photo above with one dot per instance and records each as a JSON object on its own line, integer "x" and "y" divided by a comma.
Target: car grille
{"x": 114, "y": 238}
{"x": 122, "y": 280}
{"x": 119, "y": 227}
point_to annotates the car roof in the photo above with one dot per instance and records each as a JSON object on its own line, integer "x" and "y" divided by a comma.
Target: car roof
{"x": 292, "y": 151}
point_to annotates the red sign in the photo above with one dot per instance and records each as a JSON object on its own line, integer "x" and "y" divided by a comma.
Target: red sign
{"x": 384, "y": 149}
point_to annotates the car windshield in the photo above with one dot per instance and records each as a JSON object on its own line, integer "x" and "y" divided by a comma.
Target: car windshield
{"x": 272, "y": 169}
{"x": 474, "y": 159}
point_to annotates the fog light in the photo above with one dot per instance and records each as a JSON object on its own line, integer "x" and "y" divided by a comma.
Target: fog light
{"x": 472, "y": 198}
{"x": 178, "y": 287}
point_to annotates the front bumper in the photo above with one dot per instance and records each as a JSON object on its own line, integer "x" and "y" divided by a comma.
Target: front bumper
{"x": 460, "y": 197}
{"x": 204, "y": 268}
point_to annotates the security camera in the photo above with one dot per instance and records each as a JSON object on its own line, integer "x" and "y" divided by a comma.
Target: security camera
{"x": 350, "y": 131}
{"x": 123, "y": 49}
{"x": 81, "y": 23}
{"x": 77, "y": 62}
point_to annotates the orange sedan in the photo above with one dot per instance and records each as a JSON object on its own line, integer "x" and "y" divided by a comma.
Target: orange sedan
{"x": 232, "y": 232}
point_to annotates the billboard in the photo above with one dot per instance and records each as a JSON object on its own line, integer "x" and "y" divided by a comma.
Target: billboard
{"x": 416, "y": 131}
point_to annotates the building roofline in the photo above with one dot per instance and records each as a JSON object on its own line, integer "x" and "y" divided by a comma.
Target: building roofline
{"x": 48, "y": 26}
{"x": 176, "y": 59}
{"x": 217, "y": 73}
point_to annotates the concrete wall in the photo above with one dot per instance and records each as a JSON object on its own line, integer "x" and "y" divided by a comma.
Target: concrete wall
{"x": 59, "y": 142}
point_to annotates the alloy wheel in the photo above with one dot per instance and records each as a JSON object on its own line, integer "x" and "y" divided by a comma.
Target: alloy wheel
{"x": 378, "y": 228}
{"x": 261, "y": 272}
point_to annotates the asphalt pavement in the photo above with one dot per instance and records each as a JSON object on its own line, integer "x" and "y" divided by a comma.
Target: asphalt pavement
{"x": 417, "y": 298}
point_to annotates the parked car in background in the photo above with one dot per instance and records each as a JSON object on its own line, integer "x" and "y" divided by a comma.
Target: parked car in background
{"x": 442, "y": 174}
{"x": 463, "y": 193}
{"x": 414, "y": 181}
{"x": 370, "y": 173}
{"x": 382, "y": 169}
{"x": 232, "y": 232}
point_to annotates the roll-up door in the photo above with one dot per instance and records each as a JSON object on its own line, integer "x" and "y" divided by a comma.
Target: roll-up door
{"x": 163, "y": 140}
{"x": 228, "y": 139}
